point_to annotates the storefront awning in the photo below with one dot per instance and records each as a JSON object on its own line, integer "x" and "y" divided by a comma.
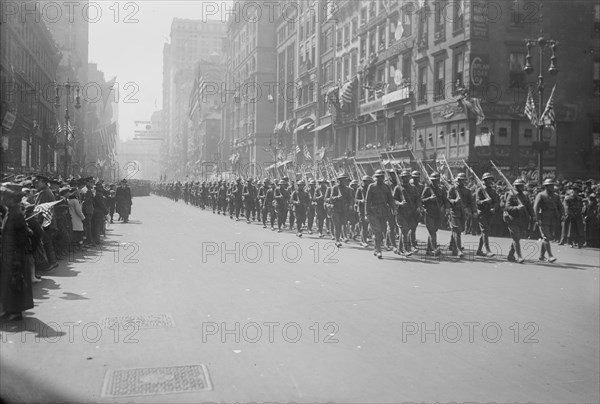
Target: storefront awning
{"x": 318, "y": 128}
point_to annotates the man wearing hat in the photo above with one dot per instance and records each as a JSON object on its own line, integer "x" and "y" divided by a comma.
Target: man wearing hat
{"x": 359, "y": 201}
{"x": 379, "y": 203}
{"x": 300, "y": 200}
{"x": 268, "y": 208}
{"x": 320, "y": 205}
{"x": 45, "y": 195}
{"x": 518, "y": 215}
{"x": 547, "y": 210}
{"x": 281, "y": 197}
{"x": 592, "y": 222}
{"x": 462, "y": 206}
{"x": 123, "y": 200}
{"x": 405, "y": 214}
{"x": 573, "y": 230}
{"x": 435, "y": 202}
{"x": 418, "y": 189}
{"x": 488, "y": 203}
{"x": 100, "y": 212}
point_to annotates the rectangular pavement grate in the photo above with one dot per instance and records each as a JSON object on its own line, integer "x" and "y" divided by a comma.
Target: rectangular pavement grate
{"x": 138, "y": 321}
{"x": 152, "y": 381}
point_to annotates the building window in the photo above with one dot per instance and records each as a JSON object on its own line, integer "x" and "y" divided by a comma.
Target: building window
{"x": 439, "y": 79}
{"x": 422, "y": 84}
{"x": 458, "y": 72}
{"x": 363, "y": 16}
{"x": 363, "y": 49}
{"x": 353, "y": 64}
{"x": 459, "y": 20}
{"x": 406, "y": 66}
{"x": 516, "y": 72}
{"x": 382, "y": 43}
{"x": 339, "y": 38}
{"x": 311, "y": 92}
{"x": 346, "y": 67}
{"x": 354, "y": 27}
{"x": 393, "y": 29}
{"x": 422, "y": 29}
{"x": 440, "y": 21}
{"x": 346, "y": 34}
{"x": 372, "y": 9}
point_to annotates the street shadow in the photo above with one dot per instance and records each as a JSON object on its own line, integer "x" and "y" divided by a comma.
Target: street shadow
{"x": 31, "y": 324}
{"x": 73, "y": 296}
{"x": 40, "y": 290}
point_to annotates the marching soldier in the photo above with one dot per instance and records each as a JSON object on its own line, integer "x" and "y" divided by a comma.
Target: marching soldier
{"x": 378, "y": 204}
{"x": 341, "y": 198}
{"x": 312, "y": 206}
{"x": 301, "y": 202}
{"x": 320, "y": 205}
{"x": 359, "y": 201}
{"x": 281, "y": 197}
{"x": 518, "y": 215}
{"x": 237, "y": 193}
{"x": 488, "y": 202}
{"x": 406, "y": 211}
{"x": 249, "y": 197}
{"x": 461, "y": 208}
{"x": 418, "y": 188}
{"x": 435, "y": 202}
{"x": 547, "y": 210}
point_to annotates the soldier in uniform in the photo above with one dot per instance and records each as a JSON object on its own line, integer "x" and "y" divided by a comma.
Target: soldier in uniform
{"x": 435, "y": 202}
{"x": 547, "y": 210}
{"x": 378, "y": 204}
{"x": 418, "y": 188}
{"x": 390, "y": 241}
{"x": 320, "y": 205}
{"x": 353, "y": 218}
{"x": 249, "y": 196}
{"x": 488, "y": 202}
{"x": 359, "y": 202}
{"x": 237, "y": 194}
{"x": 405, "y": 214}
{"x": 461, "y": 207}
{"x": 301, "y": 202}
{"x": 518, "y": 214}
{"x": 310, "y": 214}
{"x": 282, "y": 198}
{"x": 341, "y": 198}
{"x": 291, "y": 188}
{"x": 573, "y": 220}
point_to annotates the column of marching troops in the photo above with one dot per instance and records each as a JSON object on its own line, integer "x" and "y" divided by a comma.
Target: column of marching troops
{"x": 388, "y": 207}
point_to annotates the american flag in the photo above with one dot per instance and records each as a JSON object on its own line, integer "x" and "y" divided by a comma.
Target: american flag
{"x": 530, "y": 111}
{"x": 108, "y": 138}
{"x": 548, "y": 119}
{"x": 306, "y": 152}
{"x": 298, "y": 150}
{"x": 70, "y": 132}
{"x": 47, "y": 211}
{"x": 196, "y": 95}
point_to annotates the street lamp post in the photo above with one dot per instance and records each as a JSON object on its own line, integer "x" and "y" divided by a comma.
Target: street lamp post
{"x": 67, "y": 87}
{"x": 541, "y": 44}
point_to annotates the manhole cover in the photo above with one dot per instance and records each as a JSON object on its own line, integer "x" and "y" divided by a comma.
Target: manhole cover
{"x": 138, "y": 322}
{"x": 150, "y": 381}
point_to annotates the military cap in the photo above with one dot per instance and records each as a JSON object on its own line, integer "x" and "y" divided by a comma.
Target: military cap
{"x": 592, "y": 196}
{"x": 518, "y": 181}
{"x": 379, "y": 173}
{"x": 354, "y": 182}
{"x": 65, "y": 190}
{"x": 301, "y": 182}
{"x": 250, "y": 179}
{"x": 323, "y": 181}
{"x": 11, "y": 188}
{"x": 312, "y": 182}
{"x": 276, "y": 182}
{"x": 27, "y": 183}
{"x": 415, "y": 174}
{"x": 266, "y": 181}
{"x": 286, "y": 178}
{"x": 486, "y": 176}
{"x": 342, "y": 177}
{"x": 549, "y": 181}
{"x": 434, "y": 176}
{"x": 41, "y": 177}
{"x": 367, "y": 178}
{"x": 124, "y": 181}
{"x": 589, "y": 182}
{"x": 405, "y": 173}
{"x": 461, "y": 176}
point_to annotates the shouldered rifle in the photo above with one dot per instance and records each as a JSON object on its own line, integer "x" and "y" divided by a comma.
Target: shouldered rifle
{"x": 477, "y": 179}
{"x": 511, "y": 188}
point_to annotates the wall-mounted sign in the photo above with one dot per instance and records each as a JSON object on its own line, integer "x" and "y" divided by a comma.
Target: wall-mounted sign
{"x": 9, "y": 120}
{"x": 479, "y": 20}
{"x": 401, "y": 94}
{"x": 479, "y": 70}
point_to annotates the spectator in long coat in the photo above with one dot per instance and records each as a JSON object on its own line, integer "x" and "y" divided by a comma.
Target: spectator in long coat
{"x": 124, "y": 202}
{"x": 16, "y": 295}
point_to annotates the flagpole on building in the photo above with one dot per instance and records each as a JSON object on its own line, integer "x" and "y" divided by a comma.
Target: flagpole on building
{"x": 541, "y": 43}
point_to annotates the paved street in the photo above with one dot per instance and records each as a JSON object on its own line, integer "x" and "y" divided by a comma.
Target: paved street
{"x": 314, "y": 324}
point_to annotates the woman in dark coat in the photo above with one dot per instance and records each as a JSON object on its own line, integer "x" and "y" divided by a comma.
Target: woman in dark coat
{"x": 16, "y": 295}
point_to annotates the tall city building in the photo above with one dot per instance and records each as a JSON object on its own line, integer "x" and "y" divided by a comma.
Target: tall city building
{"x": 251, "y": 76}
{"x": 28, "y": 65}
{"x": 190, "y": 40}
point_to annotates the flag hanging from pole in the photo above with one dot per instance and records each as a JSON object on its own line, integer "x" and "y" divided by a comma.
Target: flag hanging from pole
{"x": 307, "y": 152}
{"x": 548, "y": 118}
{"x": 530, "y": 111}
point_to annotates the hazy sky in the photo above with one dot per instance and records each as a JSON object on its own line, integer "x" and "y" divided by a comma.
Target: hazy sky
{"x": 132, "y": 50}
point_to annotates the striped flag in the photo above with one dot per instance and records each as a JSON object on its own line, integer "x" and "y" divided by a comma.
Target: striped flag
{"x": 298, "y": 150}
{"x": 47, "y": 212}
{"x": 306, "y": 152}
{"x": 59, "y": 128}
{"x": 70, "y": 132}
{"x": 530, "y": 111}
{"x": 347, "y": 95}
{"x": 548, "y": 118}
{"x": 478, "y": 111}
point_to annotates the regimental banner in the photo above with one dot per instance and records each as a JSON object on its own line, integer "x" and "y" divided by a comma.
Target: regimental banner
{"x": 479, "y": 70}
